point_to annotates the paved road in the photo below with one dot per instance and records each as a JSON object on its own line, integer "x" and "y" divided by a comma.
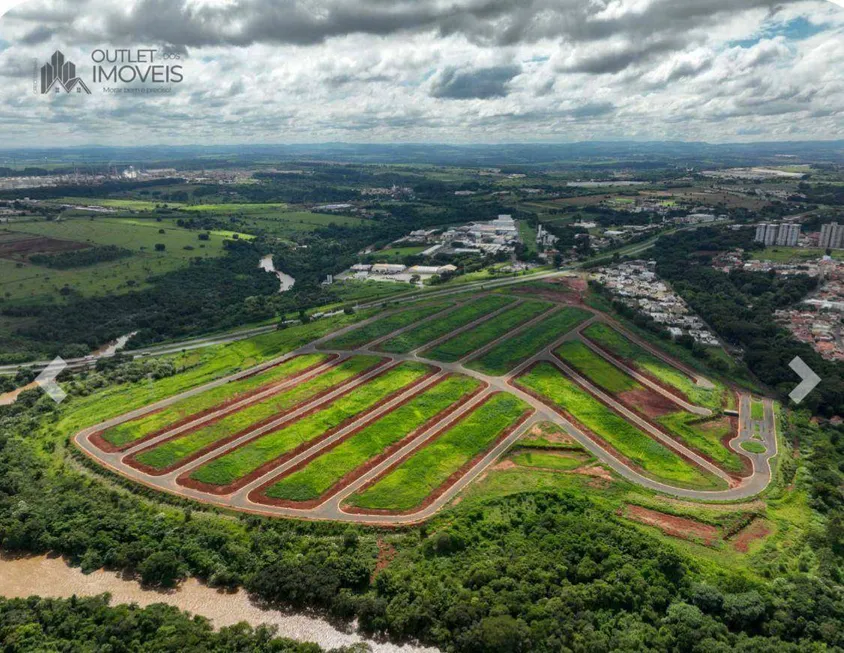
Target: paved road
{"x": 331, "y": 508}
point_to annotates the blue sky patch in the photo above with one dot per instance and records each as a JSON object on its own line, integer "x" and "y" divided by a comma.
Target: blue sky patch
{"x": 797, "y": 29}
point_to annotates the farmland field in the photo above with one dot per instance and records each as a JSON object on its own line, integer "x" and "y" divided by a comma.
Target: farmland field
{"x": 385, "y": 326}
{"x": 653, "y": 457}
{"x": 249, "y": 457}
{"x": 175, "y": 450}
{"x": 134, "y": 430}
{"x": 646, "y": 363}
{"x": 423, "y": 472}
{"x": 424, "y": 333}
{"x": 504, "y": 357}
{"x": 465, "y": 343}
{"x": 322, "y": 473}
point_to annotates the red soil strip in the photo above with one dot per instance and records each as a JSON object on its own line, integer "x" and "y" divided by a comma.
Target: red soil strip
{"x": 451, "y": 480}
{"x": 101, "y": 443}
{"x": 647, "y": 402}
{"x": 186, "y": 481}
{"x": 259, "y": 494}
{"x": 755, "y": 531}
{"x": 19, "y": 250}
{"x": 154, "y": 471}
{"x": 606, "y": 446}
{"x": 386, "y": 553}
{"x": 679, "y": 527}
{"x": 594, "y": 470}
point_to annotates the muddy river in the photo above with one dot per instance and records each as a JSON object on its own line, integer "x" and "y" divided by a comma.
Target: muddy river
{"x": 51, "y": 577}
{"x": 285, "y": 280}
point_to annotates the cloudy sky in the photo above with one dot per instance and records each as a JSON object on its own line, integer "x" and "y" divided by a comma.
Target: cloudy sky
{"x": 276, "y": 71}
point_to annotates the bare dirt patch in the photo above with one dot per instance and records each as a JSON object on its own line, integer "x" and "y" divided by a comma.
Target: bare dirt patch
{"x": 553, "y": 434}
{"x": 22, "y": 249}
{"x": 679, "y": 527}
{"x": 651, "y": 404}
{"x": 596, "y": 471}
{"x": 757, "y": 530}
{"x": 386, "y": 554}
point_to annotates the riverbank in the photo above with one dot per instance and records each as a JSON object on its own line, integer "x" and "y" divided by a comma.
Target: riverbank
{"x": 50, "y": 577}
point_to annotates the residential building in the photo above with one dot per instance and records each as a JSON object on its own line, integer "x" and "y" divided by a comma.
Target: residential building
{"x": 832, "y": 236}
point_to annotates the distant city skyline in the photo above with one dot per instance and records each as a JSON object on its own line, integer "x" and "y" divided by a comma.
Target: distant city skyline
{"x": 471, "y": 71}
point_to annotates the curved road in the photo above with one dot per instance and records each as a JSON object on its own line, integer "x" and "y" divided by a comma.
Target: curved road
{"x": 331, "y": 508}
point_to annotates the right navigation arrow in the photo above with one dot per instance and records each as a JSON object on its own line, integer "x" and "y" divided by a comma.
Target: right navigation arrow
{"x": 809, "y": 383}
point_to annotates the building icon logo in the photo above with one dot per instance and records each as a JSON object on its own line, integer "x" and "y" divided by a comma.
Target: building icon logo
{"x": 59, "y": 75}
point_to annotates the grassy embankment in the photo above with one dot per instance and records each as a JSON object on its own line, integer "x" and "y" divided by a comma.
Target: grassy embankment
{"x": 424, "y": 333}
{"x": 385, "y": 326}
{"x": 246, "y": 459}
{"x": 654, "y": 458}
{"x": 175, "y": 450}
{"x": 507, "y": 355}
{"x": 408, "y": 484}
{"x": 136, "y": 429}
{"x": 313, "y": 480}
{"x": 465, "y": 343}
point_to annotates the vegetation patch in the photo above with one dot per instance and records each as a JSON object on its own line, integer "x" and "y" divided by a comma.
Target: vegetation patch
{"x": 182, "y": 447}
{"x": 504, "y": 357}
{"x": 427, "y": 470}
{"x": 547, "y": 435}
{"x": 189, "y": 408}
{"x": 253, "y": 456}
{"x": 757, "y": 410}
{"x": 651, "y": 456}
{"x": 646, "y": 363}
{"x": 680, "y": 527}
{"x": 707, "y": 437}
{"x": 595, "y": 368}
{"x": 415, "y": 338}
{"x": 80, "y": 258}
{"x": 324, "y": 472}
{"x": 385, "y": 326}
{"x": 754, "y": 447}
{"x": 558, "y": 461}
{"x": 480, "y": 336}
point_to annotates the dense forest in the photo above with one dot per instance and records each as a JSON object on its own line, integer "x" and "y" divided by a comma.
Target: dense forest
{"x": 538, "y": 571}
{"x": 89, "y": 624}
{"x": 740, "y": 307}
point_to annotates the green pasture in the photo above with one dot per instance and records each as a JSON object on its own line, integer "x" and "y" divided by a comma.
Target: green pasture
{"x": 133, "y": 430}
{"x": 480, "y": 336}
{"x": 596, "y": 369}
{"x": 651, "y": 456}
{"x": 385, "y": 326}
{"x": 424, "y": 333}
{"x": 175, "y": 450}
{"x": 247, "y": 458}
{"x": 424, "y": 471}
{"x": 127, "y": 205}
{"x": 757, "y": 410}
{"x": 648, "y": 364}
{"x": 324, "y": 472}
{"x": 505, "y": 356}
{"x": 392, "y": 254}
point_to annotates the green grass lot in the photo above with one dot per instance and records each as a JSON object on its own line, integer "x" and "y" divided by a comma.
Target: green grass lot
{"x": 408, "y": 484}
{"x": 465, "y": 343}
{"x": 655, "y": 459}
{"x": 128, "y": 205}
{"x": 424, "y": 333}
{"x": 275, "y": 219}
{"x": 249, "y": 457}
{"x": 596, "y": 369}
{"x": 563, "y": 462}
{"x": 505, "y": 356}
{"x": 528, "y": 235}
{"x": 644, "y": 362}
{"x": 324, "y": 472}
{"x": 793, "y": 254}
{"x": 704, "y": 437}
{"x": 195, "y": 368}
{"x": 396, "y": 253}
{"x": 754, "y": 447}
{"x": 385, "y": 326}
{"x": 757, "y": 410}
{"x": 136, "y": 429}
{"x": 548, "y": 436}
{"x": 30, "y": 282}
{"x": 181, "y": 447}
